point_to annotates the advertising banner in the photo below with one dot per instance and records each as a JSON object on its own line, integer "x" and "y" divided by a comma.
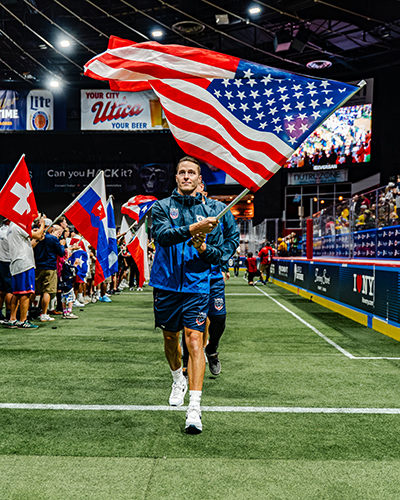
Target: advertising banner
{"x": 324, "y": 279}
{"x": 39, "y": 110}
{"x": 12, "y": 110}
{"x": 320, "y": 177}
{"x": 374, "y": 290}
{"x": 26, "y": 110}
{"x": 122, "y": 111}
{"x": 140, "y": 178}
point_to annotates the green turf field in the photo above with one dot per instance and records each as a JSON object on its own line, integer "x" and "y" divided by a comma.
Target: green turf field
{"x": 302, "y": 411}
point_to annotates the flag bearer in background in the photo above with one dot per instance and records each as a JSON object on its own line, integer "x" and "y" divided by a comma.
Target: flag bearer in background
{"x": 180, "y": 277}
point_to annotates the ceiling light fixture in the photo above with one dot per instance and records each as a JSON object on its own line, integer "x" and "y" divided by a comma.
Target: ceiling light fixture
{"x": 54, "y": 83}
{"x": 321, "y": 64}
{"x": 65, "y": 43}
{"x": 254, "y": 10}
{"x": 221, "y": 19}
{"x": 157, "y": 33}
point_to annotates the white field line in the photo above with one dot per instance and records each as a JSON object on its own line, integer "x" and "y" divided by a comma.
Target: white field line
{"x": 315, "y": 330}
{"x": 217, "y": 409}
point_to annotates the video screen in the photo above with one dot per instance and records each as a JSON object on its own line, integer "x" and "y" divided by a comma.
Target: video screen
{"x": 343, "y": 139}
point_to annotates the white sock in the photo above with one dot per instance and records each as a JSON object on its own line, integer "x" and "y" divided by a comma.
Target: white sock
{"x": 53, "y": 303}
{"x": 80, "y": 297}
{"x": 177, "y": 374}
{"x": 195, "y": 397}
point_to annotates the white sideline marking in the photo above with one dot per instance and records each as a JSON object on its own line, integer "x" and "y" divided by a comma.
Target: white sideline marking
{"x": 315, "y": 330}
{"x": 220, "y": 409}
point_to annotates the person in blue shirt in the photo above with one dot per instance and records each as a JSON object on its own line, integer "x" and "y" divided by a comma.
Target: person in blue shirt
{"x": 46, "y": 252}
{"x": 188, "y": 242}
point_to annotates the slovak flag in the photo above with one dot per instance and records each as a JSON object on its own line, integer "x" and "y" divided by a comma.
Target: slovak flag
{"x": 138, "y": 249}
{"x": 112, "y": 239}
{"x": 17, "y": 201}
{"x": 89, "y": 216}
{"x": 137, "y": 206}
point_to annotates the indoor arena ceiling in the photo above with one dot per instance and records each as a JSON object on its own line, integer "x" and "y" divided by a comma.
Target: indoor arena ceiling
{"x": 355, "y": 36}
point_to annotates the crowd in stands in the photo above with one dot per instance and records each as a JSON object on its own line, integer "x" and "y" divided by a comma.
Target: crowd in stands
{"x": 51, "y": 273}
{"x": 380, "y": 208}
{"x": 337, "y": 142}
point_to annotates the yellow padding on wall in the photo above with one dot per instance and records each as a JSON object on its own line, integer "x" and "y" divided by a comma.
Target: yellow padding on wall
{"x": 381, "y": 326}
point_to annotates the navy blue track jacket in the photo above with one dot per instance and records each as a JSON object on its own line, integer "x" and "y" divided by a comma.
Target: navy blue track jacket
{"x": 177, "y": 266}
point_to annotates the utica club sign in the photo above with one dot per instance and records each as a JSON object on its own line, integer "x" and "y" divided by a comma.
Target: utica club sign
{"x": 122, "y": 111}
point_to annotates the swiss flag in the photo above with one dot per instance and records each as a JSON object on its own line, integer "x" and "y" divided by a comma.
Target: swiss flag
{"x": 17, "y": 201}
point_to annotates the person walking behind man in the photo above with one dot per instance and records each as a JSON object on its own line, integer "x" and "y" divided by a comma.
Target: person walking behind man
{"x": 180, "y": 276}
{"x": 22, "y": 268}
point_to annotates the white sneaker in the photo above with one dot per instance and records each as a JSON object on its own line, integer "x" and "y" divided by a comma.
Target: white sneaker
{"x": 178, "y": 392}
{"x": 45, "y": 317}
{"x": 193, "y": 420}
{"x": 70, "y": 316}
{"x": 140, "y": 289}
{"x": 78, "y": 304}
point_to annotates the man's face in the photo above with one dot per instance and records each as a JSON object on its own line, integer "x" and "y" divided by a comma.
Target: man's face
{"x": 187, "y": 178}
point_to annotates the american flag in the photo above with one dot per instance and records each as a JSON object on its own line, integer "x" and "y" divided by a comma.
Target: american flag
{"x": 244, "y": 118}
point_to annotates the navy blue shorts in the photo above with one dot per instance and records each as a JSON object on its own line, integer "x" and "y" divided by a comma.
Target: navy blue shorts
{"x": 175, "y": 310}
{"x": 216, "y": 304}
{"x": 5, "y": 278}
{"x": 24, "y": 283}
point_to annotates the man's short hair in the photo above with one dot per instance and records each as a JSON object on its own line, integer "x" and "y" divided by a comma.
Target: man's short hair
{"x": 191, "y": 159}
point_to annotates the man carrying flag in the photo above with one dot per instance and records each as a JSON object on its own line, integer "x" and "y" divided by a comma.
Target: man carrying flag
{"x": 180, "y": 277}
{"x": 241, "y": 117}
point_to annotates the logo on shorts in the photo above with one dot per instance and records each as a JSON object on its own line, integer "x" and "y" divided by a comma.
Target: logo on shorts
{"x": 201, "y": 318}
{"x": 174, "y": 213}
{"x": 219, "y": 304}
{"x": 199, "y": 218}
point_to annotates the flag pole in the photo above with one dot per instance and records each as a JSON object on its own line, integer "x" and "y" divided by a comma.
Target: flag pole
{"x": 80, "y": 194}
{"x": 233, "y": 203}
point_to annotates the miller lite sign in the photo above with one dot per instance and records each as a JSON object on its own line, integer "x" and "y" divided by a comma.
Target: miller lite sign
{"x": 39, "y": 110}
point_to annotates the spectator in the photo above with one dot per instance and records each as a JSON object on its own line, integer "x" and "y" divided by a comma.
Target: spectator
{"x": 22, "y": 268}
{"x": 46, "y": 252}
{"x": 5, "y": 275}
{"x": 68, "y": 274}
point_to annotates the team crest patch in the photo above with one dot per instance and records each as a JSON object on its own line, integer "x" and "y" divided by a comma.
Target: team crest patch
{"x": 219, "y": 304}
{"x": 201, "y": 318}
{"x": 199, "y": 218}
{"x": 174, "y": 213}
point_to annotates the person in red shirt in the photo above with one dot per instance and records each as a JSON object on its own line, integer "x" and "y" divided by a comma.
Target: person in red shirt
{"x": 251, "y": 265}
{"x": 266, "y": 254}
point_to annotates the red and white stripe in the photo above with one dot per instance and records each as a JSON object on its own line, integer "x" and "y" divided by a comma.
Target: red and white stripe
{"x": 126, "y": 62}
{"x": 200, "y": 124}
{"x": 207, "y": 130}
